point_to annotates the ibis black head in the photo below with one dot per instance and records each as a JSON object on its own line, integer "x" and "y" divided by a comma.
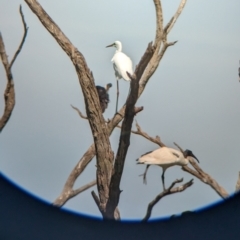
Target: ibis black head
{"x": 189, "y": 153}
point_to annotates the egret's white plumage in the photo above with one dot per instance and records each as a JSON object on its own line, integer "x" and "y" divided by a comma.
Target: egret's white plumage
{"x": 165, "y": 157}
{"x": 121, "y": 64}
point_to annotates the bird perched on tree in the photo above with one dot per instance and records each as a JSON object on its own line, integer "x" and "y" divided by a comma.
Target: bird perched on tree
{"x": 121, "y": 64}
{"x": 103, "y": 96}
{"x": 165, "y": 157}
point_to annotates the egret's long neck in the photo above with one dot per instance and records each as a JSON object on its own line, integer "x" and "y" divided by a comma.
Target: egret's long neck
{"x": 119, "y": 48}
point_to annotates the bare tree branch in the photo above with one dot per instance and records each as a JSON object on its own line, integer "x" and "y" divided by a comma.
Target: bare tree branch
{"x": 175, "y": 17}
{"x": 96, "y": 199}
{"x": 23, "y": 38}
{"x": 139, "y": 131}
{"x": 181, "y": 150}
{"x": 9, "y": 94}
{"x": 205, "y": 178}
{"x": 238, "y": 183}
{"x": 136, "y": 110}
{"x": 99, "y": 130}
{"x": 79, "y": 112}
{"x": 160, "y": 40}
{"x": 166, "y": 192}
{"x": 159, "y": 23}
{"x": 72, "y": 193}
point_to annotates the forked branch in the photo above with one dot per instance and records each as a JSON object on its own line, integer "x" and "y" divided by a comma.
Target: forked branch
{"x": 166, "y": 192}
{"x": 72, "y": 193}
{"x": 9, "y": 94}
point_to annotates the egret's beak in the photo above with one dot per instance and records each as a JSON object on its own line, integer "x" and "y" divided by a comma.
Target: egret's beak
{"x": 192, "y": 155}
{"x": 111, "y": 45}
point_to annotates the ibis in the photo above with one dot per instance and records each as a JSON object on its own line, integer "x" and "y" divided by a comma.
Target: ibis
{"x": 166, "y": 157}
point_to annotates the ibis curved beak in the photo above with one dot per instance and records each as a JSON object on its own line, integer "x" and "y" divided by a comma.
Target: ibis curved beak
{"x": 111, "y": 45}
{"x": 192, "y": 155}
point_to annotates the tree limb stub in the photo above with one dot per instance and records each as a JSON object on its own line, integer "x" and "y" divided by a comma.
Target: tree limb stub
{"x": 9, "y": 94}
{"x": 100, "y": 134}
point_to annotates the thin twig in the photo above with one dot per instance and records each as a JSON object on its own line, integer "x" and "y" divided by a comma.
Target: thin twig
{"x": 178, "y": 147}
{"x": 9, "y": 94}
{"x": 23, "y": 38}
{"x": 96, "y": 199}
{"x": 79, "y": 112}
{"x": 139, "y": 131}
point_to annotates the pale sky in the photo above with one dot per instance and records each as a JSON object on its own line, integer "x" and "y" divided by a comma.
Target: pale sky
{"x": 192, "y": 99}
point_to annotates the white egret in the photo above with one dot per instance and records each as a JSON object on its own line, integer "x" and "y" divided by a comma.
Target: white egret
{"x": 103, "y": 96}
{"x": 121, "y": 64}
{"x": 165, "y": 157}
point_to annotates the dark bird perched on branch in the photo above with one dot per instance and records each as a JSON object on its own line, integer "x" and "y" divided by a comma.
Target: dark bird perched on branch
{"x": 103, "y": 96}
{"x": 165, "y": 157}
{"x": 121, "y": 64}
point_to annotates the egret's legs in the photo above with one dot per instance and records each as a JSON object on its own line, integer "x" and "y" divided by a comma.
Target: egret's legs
{"x": 117, "y": 96}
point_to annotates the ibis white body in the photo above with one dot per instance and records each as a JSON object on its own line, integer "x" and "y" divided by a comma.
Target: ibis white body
{"x": 165, "y": 157}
